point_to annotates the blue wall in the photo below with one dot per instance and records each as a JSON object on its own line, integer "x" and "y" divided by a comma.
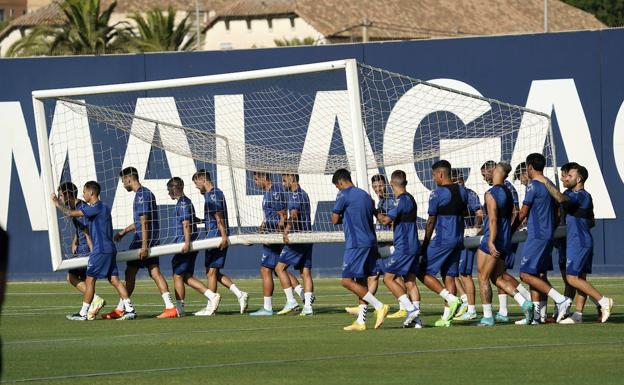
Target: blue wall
{"x": 503, "y": 68}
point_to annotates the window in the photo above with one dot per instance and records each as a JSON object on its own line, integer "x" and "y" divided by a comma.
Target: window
{"x": 11, "y": 12}
{"x": 1, "y": 14}
{"x": 248, "y": 21}
{"x": 270, "y": 22}
{"x": 292, "y": 23}
{"x": 227, "y": 25}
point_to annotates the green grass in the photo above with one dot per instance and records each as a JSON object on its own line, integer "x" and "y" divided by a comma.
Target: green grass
{"x": 231, "y": 348}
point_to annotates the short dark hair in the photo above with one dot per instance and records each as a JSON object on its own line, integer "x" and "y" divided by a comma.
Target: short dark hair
{"x": 296, "y": 176}
{"x": 399, "y": 177}
{"x": 131, "y": 172}
{"x": 505, "y": 166}
{"x": 569, "y": 166}
{"x": 520, "y": 168}
{"x": 68, "y": 188}
{"x": 378, "y": 178}
{"x": 443, "y": 164}
{"x": 175, "y": 182}
{"x": 457, "y": 174}
{"x": 202, "y": 174}
{"x": 488, "y": 164}
{"x": 341, "y": 174}
{"x": 94, "y": 187}
{"x": 581, "y": 171}
{"x": 537, "y": 161}
{"x": 262, "y": 174}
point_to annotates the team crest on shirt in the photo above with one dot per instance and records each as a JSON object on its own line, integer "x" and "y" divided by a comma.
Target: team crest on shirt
{"x": 295, "y": 196}
{"x": 213, "y": 197}
{"x": 276, "y": 195}
{"x": 140, "y": 199}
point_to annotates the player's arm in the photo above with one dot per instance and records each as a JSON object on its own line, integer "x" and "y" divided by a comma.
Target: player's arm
{"x": 478, "y": 218}
{"x": 387, "y": 218}
{"x": 222, "y": 229}
{"x": 553, "y": 190}
{"x": 88, "y": 239}
{"x": 145, "y": 228}
{"x": 186, "y": 228}
{"x": 294, "y": 216}
{"x": 66, "y": 211}
{"x": 338, "y": 210}
{"x": 429, "y": 227}
{"x": 131, "y": 227}
{"x": 282, "y": 219}
{"x": 74, "y": 244}
{"x": 522, "y": 216}
{"x": 492, "y": 223}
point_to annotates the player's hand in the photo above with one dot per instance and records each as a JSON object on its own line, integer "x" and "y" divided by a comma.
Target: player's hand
{"x": 118, "y": 236}
{"x": 285, "y": 237}
{"x": 224, "y": 243}
{"x": 185, "y": 248}
{"x": 143, "y": 253}
{"x": 55, "y": 199}
{"x": 73, "y": 249}
{"x": 493, "y": 252}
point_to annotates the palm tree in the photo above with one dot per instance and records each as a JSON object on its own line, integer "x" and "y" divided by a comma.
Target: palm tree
{"x": 295, "y": 41}
{"x": 87, "y": 31}
{"x": 157, "y": 31}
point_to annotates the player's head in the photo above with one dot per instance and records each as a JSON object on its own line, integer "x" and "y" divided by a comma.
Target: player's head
{"x": 91, "y": 191}
{"x": 565, "y": 169}
{"x": 535, "y": 164}
{"x": 290, "y": 181}
{"x": 378, "y": 181}
{"x": 486, "y": 171}
{"x": 576, "y": 175}
{"x": 500, "y": 172}
{"x": 520, "y": 173}
{"x": 175, "y": 187}
{"x": 129, "y": 176}
{"x": 342, "y": 179}
{"x": 457, "y": 176}
{"x": 441, "y": 171}
{"x": 67, "y": 192}
{"x": 398, "y": 180}
{"x": 200, "y": 178}
{"x": 261, "y": 179}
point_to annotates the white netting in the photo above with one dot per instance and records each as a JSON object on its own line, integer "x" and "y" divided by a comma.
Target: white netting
{"x": 291, "y": 124}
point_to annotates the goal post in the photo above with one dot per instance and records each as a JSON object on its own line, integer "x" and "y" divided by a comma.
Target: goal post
{"x": 306, "y": 119}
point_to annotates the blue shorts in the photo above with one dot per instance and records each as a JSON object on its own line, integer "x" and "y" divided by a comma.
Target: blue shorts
{"x": 466, "y": 261}
{"x": 579, "y": 261}
{"x": 359, "y": 262}
{"x": 379, "y": 266}
{"x": 80, "y": 273}
{"x": 560, "y": 245}
{"x": 536, "y": 256}
{"x": 145, "y": 263}
{"x": 102, "y": 266}
{"x": 270, "y": 255}
{"x": 443, "y": 260}
{"x": 297, "y": 255}
{"x": 398, "y": 264}
{"x": 215, "y": 258}
{"x": 184, "y": 263}
{"x": 510, "y": 259}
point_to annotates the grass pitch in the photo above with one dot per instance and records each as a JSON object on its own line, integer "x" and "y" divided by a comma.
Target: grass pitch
{"x": 41, "y": 346}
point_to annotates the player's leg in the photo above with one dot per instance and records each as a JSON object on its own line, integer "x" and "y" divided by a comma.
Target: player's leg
{"x": 76, "y": 281}
{"x": 87, "y": 298}
{"x": 436, "y": 260}
{"x": 270, "y": 254}
{"x": 461, "y": 291}
{"x": 308, "y": 290}
{"x": 399, "y": 268}
{"x": 76, "y": 278}
{"x": 485, "y": 267}
{"x": 242, "y": 296}
{"x": 125, "y": 310}
{"x": 130, "y": 276}
{"x": 285, "y": 281}
{"x": 153, "y": 267}
{"x": 466, "y": 263}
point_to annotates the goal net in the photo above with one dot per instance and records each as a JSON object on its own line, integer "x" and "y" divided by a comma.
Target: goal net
{"x": 308, "y": 120}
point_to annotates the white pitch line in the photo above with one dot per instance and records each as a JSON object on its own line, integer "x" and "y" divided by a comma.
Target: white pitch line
{"x": 311, "y": 359}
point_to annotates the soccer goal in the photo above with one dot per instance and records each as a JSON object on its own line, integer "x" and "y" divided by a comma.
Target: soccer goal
{"x": 307, "y": 119}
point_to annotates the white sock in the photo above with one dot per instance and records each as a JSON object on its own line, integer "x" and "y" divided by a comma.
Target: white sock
{"x": 502, "y": 304}
{"x": 447, "y": 312}
{"x": 289, "y": 294}
{"x": 84, "y": 309}
{"x": 299, "y": 291}
{"x": 209, "y": 294}
{"x": 604, "y": 302}
{"x": 371, "y": 300}
{"x": 448, "y": 297}
{"x": 520, "y": 298}
{"x": 180, "y": 306}
{"x": 128, "y": 305}
{"x": 554, "y": 294}
{"x": 236, "y": 291}
{"x": 167, "y": 298}
{"x": 404, "y": 300}
{"x": 487, "y": 310}
{"x": 464, "y": 298}
{"x": 416, "y": 304}
{"x": 578, "y": 316}
{"x": 524, "y": 292}
{"x": 307, "y": 299}
{"x": 401, "y": 306}
{"x": 268, "y": 303}
{"x": 361, "y": 314}
{"x": 120, "y": 305}
{"x": 543, "y": 309}
{"x": 472, "y": 309}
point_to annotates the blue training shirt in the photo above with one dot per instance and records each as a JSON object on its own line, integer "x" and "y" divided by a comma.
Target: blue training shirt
{"x": 299, "y": 200}
{"x": 356, "y": 208}
{"x": 578, "y": 225}
{"x": 184, "y": 211}
{"x": 404, "y": 216}
{"x": 81, "y": 225}
{"x": 385, "y": 204}
{"x": 273, "y": 201}
{"x": 474, "y": 205}
{"x": 100, "y": 227}
{"x": 145, "y": 204}
{"x": 449, "y": 228}
{"x": 214, "y": 201}
{"x": 541, "y": 224}
{"x": 514, "y": 193}
{"x": 503, "y": 234}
